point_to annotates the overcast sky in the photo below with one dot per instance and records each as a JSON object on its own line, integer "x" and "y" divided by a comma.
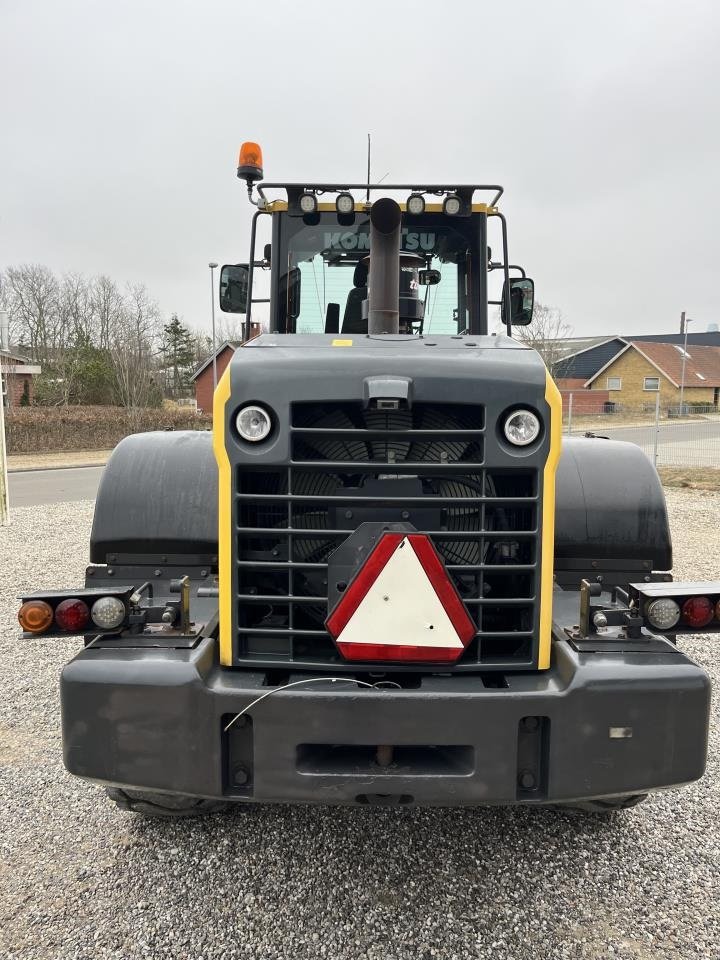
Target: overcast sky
{"x": 120, "y": 124}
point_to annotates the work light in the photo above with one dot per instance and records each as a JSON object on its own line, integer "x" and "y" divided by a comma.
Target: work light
{"x": 308, "y": 203}
{"x": 452, "y": 205}
{"x": 344, "y": 203}
{"x": 415, "y": 204}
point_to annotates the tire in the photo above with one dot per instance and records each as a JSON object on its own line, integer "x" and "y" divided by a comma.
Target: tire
{"x": 167, "y": 805}
{"x": 608, "y": 805}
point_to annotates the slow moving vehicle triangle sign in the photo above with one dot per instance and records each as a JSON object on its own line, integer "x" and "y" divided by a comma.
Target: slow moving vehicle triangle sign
{"x": 401, "y": 605}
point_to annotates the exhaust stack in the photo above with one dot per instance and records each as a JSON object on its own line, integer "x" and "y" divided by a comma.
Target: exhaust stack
{"x": 384, "y": 275}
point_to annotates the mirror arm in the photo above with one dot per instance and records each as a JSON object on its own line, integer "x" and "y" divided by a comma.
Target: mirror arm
{"x": 251, "y": 266}
{"x": 506, "y": 258}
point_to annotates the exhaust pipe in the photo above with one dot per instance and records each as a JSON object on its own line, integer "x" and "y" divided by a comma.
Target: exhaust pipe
{"x": 384, "y": 275}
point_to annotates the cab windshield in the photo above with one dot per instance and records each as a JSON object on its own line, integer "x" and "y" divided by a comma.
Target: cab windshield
{"x": 323, "y": 271}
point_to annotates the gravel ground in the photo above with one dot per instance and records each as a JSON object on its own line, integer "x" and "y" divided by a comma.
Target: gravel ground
{"x": 80, "y": 880}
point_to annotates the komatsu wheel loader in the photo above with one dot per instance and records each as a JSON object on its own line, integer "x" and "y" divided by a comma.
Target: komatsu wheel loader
{"x": 385, "y": 578}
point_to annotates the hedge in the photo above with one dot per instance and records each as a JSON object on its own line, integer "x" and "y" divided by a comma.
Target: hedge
{"x": 47, "y": 429}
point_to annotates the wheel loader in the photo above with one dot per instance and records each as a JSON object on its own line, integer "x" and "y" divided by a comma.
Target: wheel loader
{"x": 384, "y": 578}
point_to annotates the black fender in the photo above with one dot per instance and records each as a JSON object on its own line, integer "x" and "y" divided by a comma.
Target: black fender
{"x": 610, "y": 506}
{"x": 158, "y": 495}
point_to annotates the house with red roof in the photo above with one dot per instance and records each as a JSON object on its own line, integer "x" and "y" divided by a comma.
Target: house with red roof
{"x": 640, "y": 370}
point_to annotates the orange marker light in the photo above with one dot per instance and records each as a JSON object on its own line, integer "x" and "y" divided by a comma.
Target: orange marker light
{"x": 250, "y": 162}
{"x": 35, "y": 616}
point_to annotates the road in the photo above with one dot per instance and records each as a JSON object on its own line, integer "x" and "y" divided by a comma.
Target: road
{"x": 694, "y": 443}
{"x": 668, "y": 432}
{"x": 31, "y": 488}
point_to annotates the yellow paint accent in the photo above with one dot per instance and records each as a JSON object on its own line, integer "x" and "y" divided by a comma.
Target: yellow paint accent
{"x": 342, "y": 343}
{"x": 222, "y": 395}
{"x": 547, "y": 570}
{"x": 280, "y": 206}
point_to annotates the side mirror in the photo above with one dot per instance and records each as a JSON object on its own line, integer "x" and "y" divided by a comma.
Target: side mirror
{"x": 428, "y": 278}
{"x": 234, "y": 280}
{"x": 521, "y": 291}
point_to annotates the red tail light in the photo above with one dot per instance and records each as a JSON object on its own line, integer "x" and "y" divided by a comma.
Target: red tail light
{"x": 72, "y": 615}
{"x": 697, "y": 612}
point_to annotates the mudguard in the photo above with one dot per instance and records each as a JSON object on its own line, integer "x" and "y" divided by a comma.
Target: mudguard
{"x": 610, "y": 506}
{"x": 159, "y": 495}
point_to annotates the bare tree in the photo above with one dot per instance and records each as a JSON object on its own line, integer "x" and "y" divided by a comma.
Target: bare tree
{"x": 74, "y": 335}
{"x": 229, "y": 327}
{"x": 131, "y": 350}
{"x": 545, "y": 333}
{"x": 32, "y": 295}
{"x": 107, "y": 305}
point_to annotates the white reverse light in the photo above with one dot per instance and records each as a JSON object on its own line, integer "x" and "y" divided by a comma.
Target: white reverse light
{"x": 522, "y": 427}
{"x": 253, "y": 423}
{"x": 108, "y": 612}
{"x": 663, "y": 613}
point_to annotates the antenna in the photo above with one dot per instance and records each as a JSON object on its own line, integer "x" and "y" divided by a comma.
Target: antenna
{"x": 367, "y": 197}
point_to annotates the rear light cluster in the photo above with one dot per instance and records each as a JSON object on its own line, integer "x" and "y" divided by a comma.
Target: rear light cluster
{"x": 72, "y": 615}
{"x": 691, "y": 613}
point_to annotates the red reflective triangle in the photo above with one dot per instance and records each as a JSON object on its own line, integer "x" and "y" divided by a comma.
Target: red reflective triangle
{"x": 421, "y": 598}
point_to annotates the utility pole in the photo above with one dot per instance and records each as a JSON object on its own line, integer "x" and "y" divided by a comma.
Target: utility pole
{"x": 4, "y": 499}
{"x": 684, "y": 326}
{"x": 212, "y": 265}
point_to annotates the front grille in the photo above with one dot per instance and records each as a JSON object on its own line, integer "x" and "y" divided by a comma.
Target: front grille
{"x": 348, "y": 465}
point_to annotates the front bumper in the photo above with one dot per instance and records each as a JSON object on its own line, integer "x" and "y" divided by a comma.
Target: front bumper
{"x": 593, "y": 725}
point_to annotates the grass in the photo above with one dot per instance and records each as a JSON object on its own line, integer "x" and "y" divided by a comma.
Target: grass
{"x": 692, "y": 478}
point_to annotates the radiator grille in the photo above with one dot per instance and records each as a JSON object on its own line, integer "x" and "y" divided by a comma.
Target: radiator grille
{"x": 348, "y": 464}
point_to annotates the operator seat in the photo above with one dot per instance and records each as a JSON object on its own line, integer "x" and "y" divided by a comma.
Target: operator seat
{"x": 352, "y": 319}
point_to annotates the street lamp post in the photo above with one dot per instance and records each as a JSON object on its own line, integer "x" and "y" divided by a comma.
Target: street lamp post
{"x": 684, "y": 358}
{"x": 212, "y": 266}
{"x": 4, "y": 497}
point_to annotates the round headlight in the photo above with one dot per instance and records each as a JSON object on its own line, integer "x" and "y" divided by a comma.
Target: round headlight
{"x": 415, "y": 204}
{"x": 451, "y": 205}
{"x": 662, "y": 614}
{"x": 308, "y": 203}
{"x": 253, "y": 423}
{"x": 522, "y": 427}
{"x": 108, "y": 612}
{"x": 344, "y": 203}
